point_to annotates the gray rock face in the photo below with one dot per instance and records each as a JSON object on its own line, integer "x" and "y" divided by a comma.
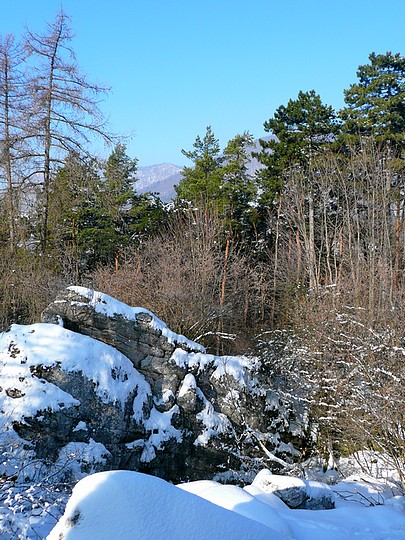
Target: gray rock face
{"x": 159, "y": 405}
{"x": 137, "y": 333}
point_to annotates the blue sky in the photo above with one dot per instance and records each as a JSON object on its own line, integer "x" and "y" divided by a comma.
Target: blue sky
{"x": 177, "y": 66}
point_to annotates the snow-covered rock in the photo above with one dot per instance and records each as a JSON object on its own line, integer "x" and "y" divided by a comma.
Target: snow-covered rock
{"x": 296, "y": 492}
{"x": 54, "y": 381}
{"x": 214, "y": 410}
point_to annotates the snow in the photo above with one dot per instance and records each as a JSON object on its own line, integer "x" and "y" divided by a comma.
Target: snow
{"x": 223, "y": 366}
{"x": 81, "y": 426}
{"x": 109, "y": 306}
{"x": 364, "y": 489}
{"x": 159, "y": 424}
{"x": 25, "y": 348}
{"x": 74, "y": 455}
{"x": 161, "y": 428}
{"x": 265, "y": 480}
{"x": 189, "y": 383}
{"x": 213, "y": 421}
{"x": 126, "y": 505}
{"x": 240, "y": 501}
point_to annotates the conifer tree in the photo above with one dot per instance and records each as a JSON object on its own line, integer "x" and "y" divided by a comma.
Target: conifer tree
{"x": 302, "y": 129}
{"x": 132, "y": 215}
{"x": 375, "y": 112}
{"x": 202, "y": 180}
{"x": 74, "y": 215}
{"x": 237, "y": 187}
{"x": 118, "y": 185}
{"x": 376, "y": 103}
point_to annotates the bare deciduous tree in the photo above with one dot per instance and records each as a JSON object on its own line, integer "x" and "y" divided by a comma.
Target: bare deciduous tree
{"x": 64, "y": 107}
{"x": 11, "y": 135}
{"x": 179, "y": 276}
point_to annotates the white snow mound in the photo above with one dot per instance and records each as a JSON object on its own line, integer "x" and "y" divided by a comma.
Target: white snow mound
{"x": 125, "y": 505}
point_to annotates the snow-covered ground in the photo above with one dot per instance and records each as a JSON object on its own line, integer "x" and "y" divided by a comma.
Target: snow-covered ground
{"x": 125, "y": 505}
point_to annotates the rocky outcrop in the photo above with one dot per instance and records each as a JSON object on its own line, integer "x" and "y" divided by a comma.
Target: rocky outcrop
{"x": 111, "y": 380}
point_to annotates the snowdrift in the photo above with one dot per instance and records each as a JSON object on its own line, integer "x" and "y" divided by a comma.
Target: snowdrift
{"x": 126, "y": 505}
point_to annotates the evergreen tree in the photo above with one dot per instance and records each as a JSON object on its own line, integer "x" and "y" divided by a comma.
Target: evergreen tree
{"x": 95, "y": 213}
{"x": 74, "y": 215}
{"x": 133, "y": 215}
{"x": 375, "y": 112}
{"x": 301, "y": 129}
{"x": 203, "y": 179}
{"x": 376, "y": 104}
{"x": 237, "y": 188}
{"x": 118, "y": 184}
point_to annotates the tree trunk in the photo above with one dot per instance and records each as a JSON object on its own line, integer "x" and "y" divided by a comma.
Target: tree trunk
{"x": 48, "y": 144}
{"x": 7, "y": 157}
{"x": 275, "y": 269}
{"x": 223, "y": 288}
{"x": 397, "y": 255}
{"x": 313, "y": 282}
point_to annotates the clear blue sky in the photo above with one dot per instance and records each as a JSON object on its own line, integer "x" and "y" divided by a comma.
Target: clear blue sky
{"x": 177, "y": 66}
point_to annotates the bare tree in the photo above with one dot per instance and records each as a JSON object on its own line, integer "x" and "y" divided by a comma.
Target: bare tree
{"x": 179, "y": 276}
{"x": 346, "y": 352}
{"x": 64, "y": 107}
{"x": 11, "y": 135}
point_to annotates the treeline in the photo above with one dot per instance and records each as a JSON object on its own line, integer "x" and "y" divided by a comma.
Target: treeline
{"x": 235, "y": 252}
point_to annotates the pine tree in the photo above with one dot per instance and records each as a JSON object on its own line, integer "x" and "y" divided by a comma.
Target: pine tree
{"x": 237, "y": 187}
{"x": 302, "y": 129}
{"x": 376, "y": 104}
{"x": 375, "y": 112}
{"x": 202, "y": 181}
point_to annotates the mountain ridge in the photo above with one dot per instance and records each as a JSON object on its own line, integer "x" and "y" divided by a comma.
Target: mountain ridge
{"x": 161, "y": 178}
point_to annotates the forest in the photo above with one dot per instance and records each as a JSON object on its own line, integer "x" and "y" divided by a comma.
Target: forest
{"x": 301, "y": 263}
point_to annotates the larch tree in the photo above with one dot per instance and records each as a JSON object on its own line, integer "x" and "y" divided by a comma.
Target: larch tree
{"x": 64, "y": 107}
{"x": 11, "y": 129}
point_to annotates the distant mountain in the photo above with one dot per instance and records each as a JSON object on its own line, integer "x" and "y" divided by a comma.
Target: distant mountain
{"x": 162, "y": 178}
{"x": 159, "y": 179}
